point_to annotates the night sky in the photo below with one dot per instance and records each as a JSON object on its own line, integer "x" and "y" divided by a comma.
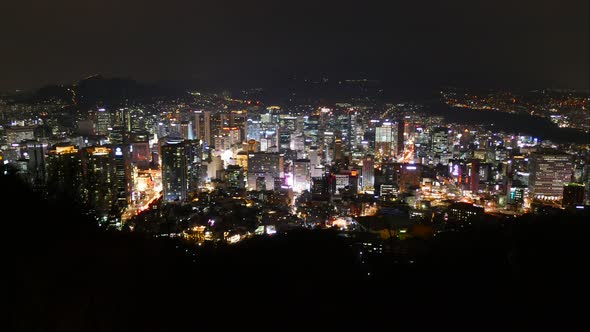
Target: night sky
{"x": 527, "y": 43}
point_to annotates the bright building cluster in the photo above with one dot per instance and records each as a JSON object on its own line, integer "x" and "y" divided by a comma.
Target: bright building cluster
{"x": 207, "y": 160}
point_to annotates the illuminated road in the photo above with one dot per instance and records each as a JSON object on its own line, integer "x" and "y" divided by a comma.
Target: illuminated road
{"x": 453, "y": 188}
{"x": 152, "y": 193}
{"x": 140, "y": 206}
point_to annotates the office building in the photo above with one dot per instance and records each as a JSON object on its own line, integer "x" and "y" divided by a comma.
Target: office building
{"x": 239, "y": 120}
{"x": 140, "y": 150}
{"x": 103, "y": 122}
{"x": 386, "y": 140}
{"x": 440, "y": 140}
{"x": 473, "y": 175}
{"x": 36, "y": 165}
{"x": 174, "y": 171}
{"x": 461, "y": 212}
{"x": 368, "y": 174}
{"x": 301, "y": 175}
{"x": 202, "y": 124}
{"x": 234, "y": 178}
{"x": 409, "y": 177}
{"x": 17, "y": 134}
{"x": 64, "y": 173}
{"x": 549, "y": 172}
{"x": 99, "y": 180}
{"x": 400, "y": 138}
{"x": 266, "y": 165}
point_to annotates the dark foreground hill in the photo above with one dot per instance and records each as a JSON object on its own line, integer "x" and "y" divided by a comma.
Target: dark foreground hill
{"x": 63, "y": 274}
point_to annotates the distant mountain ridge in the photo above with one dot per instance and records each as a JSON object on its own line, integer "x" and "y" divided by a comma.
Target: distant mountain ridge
{"x": 95, "y": 90}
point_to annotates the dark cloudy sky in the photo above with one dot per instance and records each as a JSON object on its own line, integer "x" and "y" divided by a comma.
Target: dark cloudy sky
{"x": 528, "y": 43}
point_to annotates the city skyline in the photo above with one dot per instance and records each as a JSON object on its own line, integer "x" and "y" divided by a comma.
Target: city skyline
{"x": 187, "y": 165}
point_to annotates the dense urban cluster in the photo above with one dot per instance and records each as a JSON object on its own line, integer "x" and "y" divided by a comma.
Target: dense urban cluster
{"x": 209, "y": 167}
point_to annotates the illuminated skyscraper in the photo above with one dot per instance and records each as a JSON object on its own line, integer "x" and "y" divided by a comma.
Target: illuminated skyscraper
{"x": 226, "y": 138}
{"x": 440, "y": 140}
{"x": 288, "y": 122}
{"x": 239, "y": 119}
{"x": 386, "y": 140}
{"x": 368, "y": 173}
{"x": 234, "y": 177}
{"x": 202, "y": 125}
{"x": 549, "y": 171}
{"x": 328, "y": 144}
{"x": 297, "y": 142}
{"x": 103, "y": 121}
{"x": 181, "y": 168}
{"x": 409, "y": 177}
{"x": 174, "y": 127}
{"x": 174, "y": 175}
{"x": 320, "y": 188}
{"x": 122, "y": 178}
{"x": 123, "y": 119}
{"x": 140, "y": 150}
{"x": 99, "y": 176}
{"x": 284, "y": 139}
{"x": 194, "y": 156}
{"x": 37, "y": 166}
{"x": 217, "y": 122}
{"x": 119, "y": 138}
{"x": 301, "y": 175}
{"x": 17, "y": 134}
{"x": 390, "y": 174}
{"x": 255, "y": 129}
{"x": 64, "y": 173}
{"x": 186, "y": 131}
{"x": 266, "y": 165}
{"x": 339, "y": 183}
{"x": 400, "y": 138}
{"x": 472, "y": 179}
{"x": 352, "y": 140}
{"x": 317, "y": 169}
